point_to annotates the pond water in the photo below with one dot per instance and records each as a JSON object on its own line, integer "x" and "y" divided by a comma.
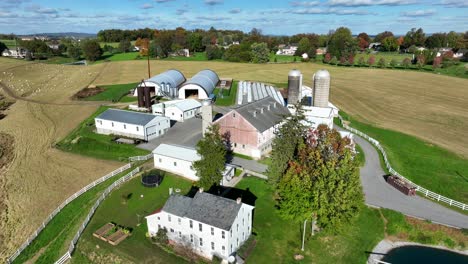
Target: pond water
{"x": 426, "y": 255}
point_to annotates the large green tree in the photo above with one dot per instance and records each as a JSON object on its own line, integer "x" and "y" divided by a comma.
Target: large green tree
{"x": 194, "y": 41}
{"x": 74, "y": 51}
{"x": 414, "y": 37}
{"x": 390, "y": 44}
{"x": 91, "y": 49}
{"x": 125, "y": 45}
{"x": 323, "y": 181}
{"x": 304, "y": 46}
{"x": 2, "y": 47}
{"x": 212, "y": 151}
{"x": 342, "y": 43}
{"x": 285, "y": 145}
{"x": 260, "y": 53}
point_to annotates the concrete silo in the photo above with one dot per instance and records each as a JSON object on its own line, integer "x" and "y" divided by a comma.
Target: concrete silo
{"x": 321, "y": 92}
{"x": 294, "y": 87}
{"x": 207, "y": 115}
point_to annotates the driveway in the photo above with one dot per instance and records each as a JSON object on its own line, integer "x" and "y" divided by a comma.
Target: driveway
{"x": 186, "y": 133}
{"x": 379, "y": 193}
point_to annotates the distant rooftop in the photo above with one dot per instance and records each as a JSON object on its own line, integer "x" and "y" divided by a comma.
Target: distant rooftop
{"x": 184, "y": 105}
{"x": 128, "y": 117}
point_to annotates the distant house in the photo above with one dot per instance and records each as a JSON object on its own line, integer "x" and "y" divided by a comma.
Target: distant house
{"x": 178, "y": 110}
{"x": 287, "y": 50}
{"x": 251, "y": 127}
{"x": 375, "y": 45}
{"x": 321, "y": 51}
{"x": 461, "y": 54}
{"x": 179, "y": 160}
{"x": 209, "y": 225}
{"x": 131, "y": 124}
{"x": 18, "y": 53}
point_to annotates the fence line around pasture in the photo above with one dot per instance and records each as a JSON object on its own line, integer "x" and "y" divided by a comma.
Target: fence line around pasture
{"x": 93, "y": 209}
{"x": 420, "y": 189}
{"x": 138, "y": 158}
{"x": 61, "y": 206}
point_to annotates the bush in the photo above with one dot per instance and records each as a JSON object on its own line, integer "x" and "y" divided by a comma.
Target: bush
{"x": 382, "y": 63}
{"x": 161, "y": 237}
{"x": 393, "y": 63}
{"x": 334, "y": 61}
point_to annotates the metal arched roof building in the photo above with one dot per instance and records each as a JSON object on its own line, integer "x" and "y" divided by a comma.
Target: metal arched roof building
{"x": 200, "y": 86}
{"x": 164, "y": 83}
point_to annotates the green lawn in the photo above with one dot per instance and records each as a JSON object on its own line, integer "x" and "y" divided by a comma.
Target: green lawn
{"x": 284, "y": 58}
{"x": 428, "y": 165}
{"x": 84, "y": 141}
{"x": 115, "y": 93}
{"x": 229, "y": 96}
{"x": 197, "y": 56}
{"x": 360, "y": 155}
{"x": 119, "y": 56}
{"x": 388, "y": 56}
{"x": 54, "y": 239}
{"x": 129, "y": 213}
{"x": 10, "y": 43}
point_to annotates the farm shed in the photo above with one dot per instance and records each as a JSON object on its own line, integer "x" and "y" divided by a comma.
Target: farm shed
{"x": 178, "y": 110}
{"x": 131, "y": 124}
{"x": 164, "y": 84}
{"x": 200, "y": 86}
{"x": 179, "y": 160}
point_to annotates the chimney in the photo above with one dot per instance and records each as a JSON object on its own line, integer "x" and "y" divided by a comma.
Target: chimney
{"x": 200, "y": 190}
{"x": 268, "y": 107}
{"x": 239, "y": 200}
{"x": 254, "y": 113}
{"x": 261, "y": 110}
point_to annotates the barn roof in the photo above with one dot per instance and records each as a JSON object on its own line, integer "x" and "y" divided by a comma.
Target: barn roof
{"x": 206, "y": 79}
{"x": 172, "y": 77}
{"x": 128, "y": 117}
{"x": 263, "y": 121}
{"x": 184, "y": 105}
{"x": 206, "y": 208}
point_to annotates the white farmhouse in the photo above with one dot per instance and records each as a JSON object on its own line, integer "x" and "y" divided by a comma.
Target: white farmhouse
{"x": 319, "y": 115}
{"x": 208, "y": 224}
{"x": 179, "y": 160}
{"x": 131, "y": 124}
{"x": 178, "y": 110}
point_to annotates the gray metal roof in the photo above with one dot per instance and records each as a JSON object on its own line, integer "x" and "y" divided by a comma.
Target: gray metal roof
{"x": 206, "y": 79}
{"x": 177, "y": 152}
{"x": 128, "y": 117}
{"x": 172, "y": 77}
{"x": 206, "y": 208}
{"x": 267, "y": 119}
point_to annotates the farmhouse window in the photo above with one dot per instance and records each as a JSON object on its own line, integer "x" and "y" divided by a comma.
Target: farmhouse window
{"x": 169, "y": 218}
{"x": 172, "y": 230}
{"x": 125, "y": 126}
{"x": 112, "y": 124}
{"x": 201, "y": 242}
{"x": 224, "y": 248}
{"x": 191, "y": 224}
{"x": 191, "y": 238}
{"x": 160, "y": 160}
{"x": 212, "y": 231}
{"x": 200, "y": 227}
{"x": 212, "y": 245}
{"x": 179, "y": 220}
{"x": 223, "y": 235}
{"x": 234, "y": 115}
{"x": 138, "y": 129}
{"x": 175, "y": 164}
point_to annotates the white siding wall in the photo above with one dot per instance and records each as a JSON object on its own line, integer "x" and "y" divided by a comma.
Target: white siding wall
{"x": 150, "y": 131}
{"x": 174, "y": 113}
{"x": 243, "y": 219}
{"x": 201, "y": 92}
{"x": 177, "y": 166}
{"x": 316, "y": 121}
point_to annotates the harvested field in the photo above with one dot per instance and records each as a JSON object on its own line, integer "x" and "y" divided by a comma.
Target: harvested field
{"x": 39, "y": 177}
{"x": 429, "y": 106}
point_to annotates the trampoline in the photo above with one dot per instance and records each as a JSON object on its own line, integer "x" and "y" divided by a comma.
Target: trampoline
{"x": 151, "y": 179}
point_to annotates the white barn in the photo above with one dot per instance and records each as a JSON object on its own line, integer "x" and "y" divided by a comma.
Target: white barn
{"x": 200, "y": 86}
{"x": 164, "y": 84}
{"x": 319, "y": 115}
{"x": 178, "y": 110}
{"x": 179, "y": 160}
{"x": 131, "y": 124}
{"x": 208, "y": 224}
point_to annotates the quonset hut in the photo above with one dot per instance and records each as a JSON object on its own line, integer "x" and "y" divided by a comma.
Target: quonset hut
{"x": 200, "y": 86}
{"x": 164, "y": 84}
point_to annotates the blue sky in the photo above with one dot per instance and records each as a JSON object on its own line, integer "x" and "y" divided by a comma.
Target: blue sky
{"x": 272, "y": 17}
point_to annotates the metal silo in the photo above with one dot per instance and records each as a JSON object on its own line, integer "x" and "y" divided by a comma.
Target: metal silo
{"x": 294, "y": 86}
{"x": 321, "y": 88}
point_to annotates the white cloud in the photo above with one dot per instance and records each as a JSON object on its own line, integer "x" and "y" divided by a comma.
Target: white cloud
{"x": 454, "y": 3}
{"x": 355, "y": 3}
{"x": 419, "y": 13}
{"x": 212, "y": 18}
{"x": 163, "y": 1}
{"x": 330, "y": 11}
{"x": 146, "y": 6}
{"x": 213, "y": 2}
{"x": 235, "y": 11}
{"x": 304, "y": 3}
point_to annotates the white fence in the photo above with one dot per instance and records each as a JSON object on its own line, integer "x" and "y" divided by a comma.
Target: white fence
{"x": 420, "y": 189}
{"x": 109, "y": 189}
{"x": 67, "y": 201}
{"x": 138, "y": 158}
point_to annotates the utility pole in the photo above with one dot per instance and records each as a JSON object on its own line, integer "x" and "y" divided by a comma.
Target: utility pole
{"x": 303, "y": 235}
{"x": 149, "y": 69}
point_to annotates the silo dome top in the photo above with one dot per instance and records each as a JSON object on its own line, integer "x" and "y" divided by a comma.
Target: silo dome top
{"x": 322, "y": 74}
{"x": 206, "y": 102}
{"x": 295, "y": 73}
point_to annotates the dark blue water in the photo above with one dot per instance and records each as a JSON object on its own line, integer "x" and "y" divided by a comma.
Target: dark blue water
{"x": 426, "y": 255}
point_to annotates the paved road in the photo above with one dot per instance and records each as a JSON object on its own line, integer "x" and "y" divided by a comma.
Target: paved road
{"x": 249, "y": 164}
{"x": 379, "y": 193}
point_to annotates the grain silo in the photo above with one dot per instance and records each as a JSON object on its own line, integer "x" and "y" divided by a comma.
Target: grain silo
{"x": 294, "y": 87}
{"x": 321, "y": 91}
{"x": 207, "y": 115}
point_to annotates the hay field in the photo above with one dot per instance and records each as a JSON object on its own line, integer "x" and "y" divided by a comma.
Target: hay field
{"x": 39, "y": 177}
{"x": 429, "y": 106}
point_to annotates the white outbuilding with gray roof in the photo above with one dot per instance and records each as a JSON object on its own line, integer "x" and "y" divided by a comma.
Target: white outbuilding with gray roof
{"x": 179, "y": 160}
{"x": 131, "y": 124}
{"x": 178, "y": 110}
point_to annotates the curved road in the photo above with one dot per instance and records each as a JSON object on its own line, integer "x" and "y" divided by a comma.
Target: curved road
{"x": 381, "y": 194}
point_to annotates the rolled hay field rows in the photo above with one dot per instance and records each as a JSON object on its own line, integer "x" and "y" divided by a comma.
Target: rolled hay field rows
{"x": 39, "y": 176}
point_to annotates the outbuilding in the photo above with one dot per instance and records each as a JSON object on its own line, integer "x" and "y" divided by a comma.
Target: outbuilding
{"x": 165, "y": 84}
{"x": 200, "y": 86}
{"x": 177, "y": 110}
{"x": 179, "y": 160}
{"x": 131, "y": 124}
